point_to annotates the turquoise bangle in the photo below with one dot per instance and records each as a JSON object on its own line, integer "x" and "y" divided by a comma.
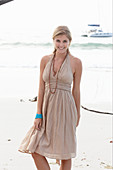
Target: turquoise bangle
{"x": 38, "y": 116}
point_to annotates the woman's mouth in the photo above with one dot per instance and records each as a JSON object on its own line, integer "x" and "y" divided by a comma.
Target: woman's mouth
{"x": 61, "y": 48}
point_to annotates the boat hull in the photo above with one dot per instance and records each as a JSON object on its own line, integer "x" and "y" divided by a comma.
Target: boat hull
{"x": 102, "y": 35}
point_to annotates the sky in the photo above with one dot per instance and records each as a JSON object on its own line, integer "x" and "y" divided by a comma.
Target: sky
{"x": 48, "y": 14}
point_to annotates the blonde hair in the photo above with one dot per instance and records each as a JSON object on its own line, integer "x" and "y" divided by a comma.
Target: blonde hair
{"x": 62, "y": 30}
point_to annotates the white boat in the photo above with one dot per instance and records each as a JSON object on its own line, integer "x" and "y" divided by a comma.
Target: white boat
{"x": 94, "y": 30}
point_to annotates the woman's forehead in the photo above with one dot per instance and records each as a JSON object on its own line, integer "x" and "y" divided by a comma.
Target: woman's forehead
{"x": 61, "y": 37}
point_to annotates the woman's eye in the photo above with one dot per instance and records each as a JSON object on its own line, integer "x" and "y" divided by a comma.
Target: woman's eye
{"x": 65, "y": 41}
{"x": 57, "y": 40}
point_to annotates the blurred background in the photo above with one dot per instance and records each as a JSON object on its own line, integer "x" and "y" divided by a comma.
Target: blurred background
{"x": 26, "y": 29}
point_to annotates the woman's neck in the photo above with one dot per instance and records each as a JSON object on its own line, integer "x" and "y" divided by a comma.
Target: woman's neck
{"x": 60, "y": 55}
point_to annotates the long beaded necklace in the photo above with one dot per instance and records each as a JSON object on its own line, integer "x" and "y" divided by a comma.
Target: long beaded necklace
{"x": 56, "y": 77}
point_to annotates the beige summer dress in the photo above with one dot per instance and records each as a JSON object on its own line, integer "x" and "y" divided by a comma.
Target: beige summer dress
{"x": 57, "y": 138}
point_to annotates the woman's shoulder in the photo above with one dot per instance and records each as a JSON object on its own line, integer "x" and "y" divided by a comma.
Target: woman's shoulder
{"x": 45, "y": 59}
{"x": 75, "y": 60}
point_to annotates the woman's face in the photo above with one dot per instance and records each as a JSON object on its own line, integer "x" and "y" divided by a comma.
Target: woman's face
{"x": 61, "y": 43}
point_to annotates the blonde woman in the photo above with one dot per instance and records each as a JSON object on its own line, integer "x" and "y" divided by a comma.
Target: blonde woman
{"x": 58, "y": 108}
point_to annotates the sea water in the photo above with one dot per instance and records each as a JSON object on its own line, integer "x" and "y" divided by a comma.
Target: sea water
{"x": 21, "y": 52}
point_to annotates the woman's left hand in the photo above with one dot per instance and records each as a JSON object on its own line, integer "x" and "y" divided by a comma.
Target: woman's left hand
{"x": 78, "y": 119}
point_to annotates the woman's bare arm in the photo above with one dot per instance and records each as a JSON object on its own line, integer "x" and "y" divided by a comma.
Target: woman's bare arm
{"x": 76, "y": 86}
{"x": 38, "y": 122}
{"x": 41, "y": 87}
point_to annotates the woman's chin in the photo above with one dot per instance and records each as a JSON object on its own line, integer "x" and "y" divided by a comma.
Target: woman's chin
{"x": 61, "y": 51}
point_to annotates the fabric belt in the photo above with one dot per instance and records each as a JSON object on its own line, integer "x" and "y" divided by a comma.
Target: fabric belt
{"x": 60, "y": 86}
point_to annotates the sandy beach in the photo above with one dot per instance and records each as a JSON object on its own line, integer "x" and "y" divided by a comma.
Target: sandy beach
{"x": 94, "y": 136}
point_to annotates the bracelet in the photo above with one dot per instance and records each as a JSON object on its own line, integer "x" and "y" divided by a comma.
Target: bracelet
{"x": 38, "y": 116}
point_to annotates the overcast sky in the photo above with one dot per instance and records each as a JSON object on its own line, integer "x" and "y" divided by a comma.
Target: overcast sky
{"x": 47, "y": 14}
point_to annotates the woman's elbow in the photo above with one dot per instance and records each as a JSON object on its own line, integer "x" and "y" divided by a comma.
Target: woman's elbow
{"x": 76, "y": 91}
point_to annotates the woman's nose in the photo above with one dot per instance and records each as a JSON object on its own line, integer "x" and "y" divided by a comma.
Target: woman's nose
{"x": 61, "y": 44}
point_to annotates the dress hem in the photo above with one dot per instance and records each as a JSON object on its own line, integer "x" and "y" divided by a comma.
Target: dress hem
{"x": 51, "y": 156}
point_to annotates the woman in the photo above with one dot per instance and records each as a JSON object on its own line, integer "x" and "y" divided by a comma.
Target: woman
{"x": 58, "y": 109}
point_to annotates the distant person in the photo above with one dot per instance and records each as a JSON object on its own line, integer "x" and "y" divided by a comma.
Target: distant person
{"x": 53, "y": 134}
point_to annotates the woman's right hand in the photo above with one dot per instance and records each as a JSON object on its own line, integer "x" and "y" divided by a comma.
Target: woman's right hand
{"x": 38, "y": 124}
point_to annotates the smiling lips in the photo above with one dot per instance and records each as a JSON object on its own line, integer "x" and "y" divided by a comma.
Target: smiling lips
{"x": 60, "y": 48}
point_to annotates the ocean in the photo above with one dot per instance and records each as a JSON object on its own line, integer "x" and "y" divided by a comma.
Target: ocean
{"x": 25, "y": 49}
{"x": 21, "y": 52}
